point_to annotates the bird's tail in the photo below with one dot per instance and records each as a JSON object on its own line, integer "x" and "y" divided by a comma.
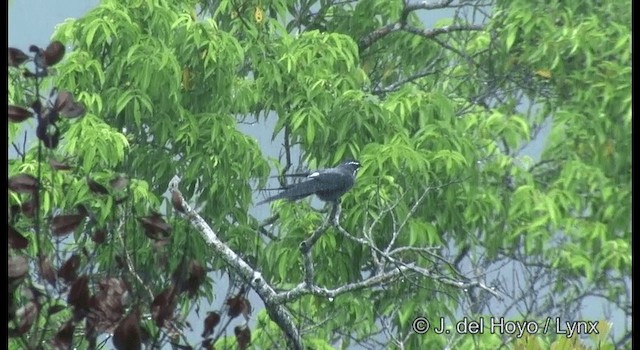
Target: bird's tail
{"x": 292, "y": 193}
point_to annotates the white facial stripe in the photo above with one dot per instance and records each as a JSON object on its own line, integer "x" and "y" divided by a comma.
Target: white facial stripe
{"x": 353, "y": 163}
{"x": 314, "y": 174}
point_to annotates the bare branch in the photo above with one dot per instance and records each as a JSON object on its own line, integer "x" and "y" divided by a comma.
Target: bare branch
{"x": 254, "y": 278}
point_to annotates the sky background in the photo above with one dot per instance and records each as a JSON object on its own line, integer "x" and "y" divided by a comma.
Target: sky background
{"x": 34, "y": 21}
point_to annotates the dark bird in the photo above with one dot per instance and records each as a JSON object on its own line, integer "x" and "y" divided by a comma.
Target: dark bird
{"x": 328, "y": 184}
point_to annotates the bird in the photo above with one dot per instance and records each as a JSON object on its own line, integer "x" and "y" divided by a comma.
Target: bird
{"x": 328, "y": 184}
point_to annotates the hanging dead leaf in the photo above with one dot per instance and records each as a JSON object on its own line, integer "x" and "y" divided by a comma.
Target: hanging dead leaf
{"x": 17, "y": 267}
{"x": 210, "y": 322}
{"x": 128, "y": 336}
{"x": 59, "y": 165}
{"x": 107, "y": 305}
{"x": 16, "y": 239}
{"x": 65, "y": 224}
{"x": 16, "y": 57}
{"x": 163, "y": 306}
{"x": 23, "y": 183}
{"x": 120, "y": 182}
{"x": 79, "y": 297}
{"x": 64, "y": 336}
{"x": 54, "y": 53}
{"x": 24, "y": 317}
{"x": 243, "y": 336}
{"x": 28, "y": 208}
{"x": 46, "y": 270}
{"x": 54, "y": 309}
{"x": 66, "y": 104}
{"x": 17, "y": 114}
{"x": 99, "y": 236}
{"x": 155, "y": 227}
{"x": 95, "y": 187}
{"x": 68, "y": 270}
{"x": 238, "y": 305}
{"x": 195, "y": 278}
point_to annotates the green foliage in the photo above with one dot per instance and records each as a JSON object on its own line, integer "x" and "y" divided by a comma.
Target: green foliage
{"x": 440, "y": 116}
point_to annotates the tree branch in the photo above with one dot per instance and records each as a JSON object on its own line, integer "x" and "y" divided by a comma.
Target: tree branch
{"x": 276, "y": 311}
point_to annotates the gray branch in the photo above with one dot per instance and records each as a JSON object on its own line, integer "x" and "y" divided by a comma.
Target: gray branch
{"x": 276, "y": 311}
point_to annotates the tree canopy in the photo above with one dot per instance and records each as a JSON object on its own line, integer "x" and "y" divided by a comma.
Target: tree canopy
{"x": 495, "y": 144}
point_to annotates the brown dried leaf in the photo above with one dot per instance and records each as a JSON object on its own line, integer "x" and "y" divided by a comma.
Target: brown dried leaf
{"x": 47, "y": 271}
{"x": 107, "y": 305}
{"x": 59, "y": 165}
{"x": 18, "y": 267}
{"x": 210, "y": 322}
{"x": 54, "y": 309}
{"x": 28, "y": 208}
{"x": 119, "y": 201}
{"x": 162, "y": 306}
{"x": 128, "y": 336}
{"x": 64, "y": 337}
{"x": 23, "y": 183}
{"x": 155, "y": 227}
{"x": 65, "y": 224}
{"x": 195, "y": 278}
{"x": 66, "y": 104}
{"x": 18, "y": 114}
{"x": 99, "y": 235}
{"x": 119, "y": 182}
{"x": 243, "y": 336}
{"x": 68, "y": 270}
{"x": 53, "y": 53}
{"x": 16, "y": 57}
{"x": 79, "y": 296}
{"x": 25, "y": 316}
{"x": 96, "y": 187}
{"x": 16, "y": 239}
{"x": 238, "y": 305}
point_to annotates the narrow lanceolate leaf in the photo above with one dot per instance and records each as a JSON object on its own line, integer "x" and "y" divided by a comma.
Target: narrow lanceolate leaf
{"x": 65, "y": 224}
{"x": 16, "y": 240}
{"x": 54, "y": 53}
{"x": 18, "y": 114}
{"x": 16, "y": 57}
{"x": 23, "y": 183}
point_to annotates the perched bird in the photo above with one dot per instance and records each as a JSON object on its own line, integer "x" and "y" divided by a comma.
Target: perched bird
{"x": 328, "y": 184}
